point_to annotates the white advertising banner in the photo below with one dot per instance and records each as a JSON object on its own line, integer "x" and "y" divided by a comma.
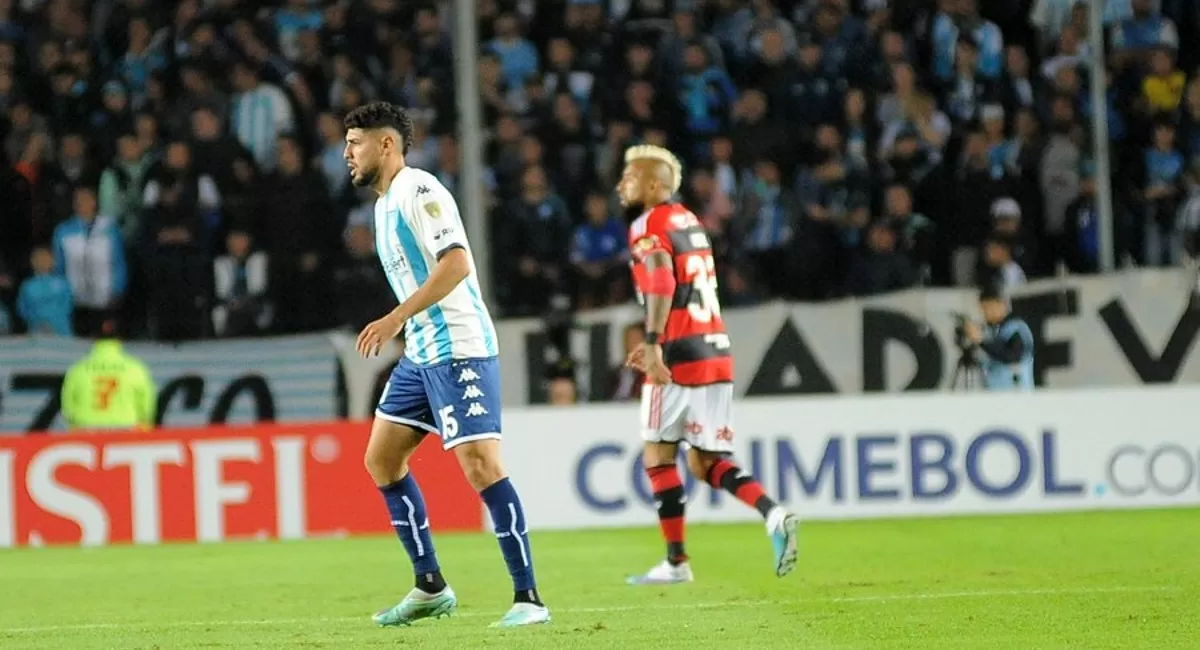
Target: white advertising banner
{"x": 1126, "y": 329}
{"x": 291, "y": 378}
{"x": 879, "y": 456}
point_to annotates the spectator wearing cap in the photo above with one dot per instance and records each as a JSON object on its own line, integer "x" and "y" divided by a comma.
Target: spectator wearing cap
{"x": 1006, "y": 219}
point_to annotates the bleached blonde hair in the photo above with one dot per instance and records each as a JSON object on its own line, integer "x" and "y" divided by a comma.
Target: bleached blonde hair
{"x": 654, "y": 152}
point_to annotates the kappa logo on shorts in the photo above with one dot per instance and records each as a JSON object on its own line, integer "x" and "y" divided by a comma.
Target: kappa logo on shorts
{"x": 476, "y": 409}
{"x": 467, "y": 375}
{"x": 472, "y": 392}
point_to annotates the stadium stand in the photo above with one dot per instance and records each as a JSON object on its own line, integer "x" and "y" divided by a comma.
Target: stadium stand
{"x": 179, "y": 164}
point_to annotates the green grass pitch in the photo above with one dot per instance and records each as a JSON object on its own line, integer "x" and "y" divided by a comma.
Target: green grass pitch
{"x": 1089, "y": 581}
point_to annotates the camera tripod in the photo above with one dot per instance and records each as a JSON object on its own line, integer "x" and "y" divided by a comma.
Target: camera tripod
{"x": 968, "y": 374}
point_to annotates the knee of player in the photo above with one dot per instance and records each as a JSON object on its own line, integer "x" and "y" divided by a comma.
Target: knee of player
{"x": 383, "y": 470}
{"x": 657, "y": 454}
{"x": 480, "y": 462}
{"x": 700, "y": 462}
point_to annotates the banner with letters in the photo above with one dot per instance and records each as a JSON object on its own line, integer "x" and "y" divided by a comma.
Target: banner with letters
{"x": 211, "y": 485}
{"x": 847, "y": 457}
{"x": 1130, "y": 328}
{"x": 207, "y": 382}
{"x": 1127, "y": 329}
{"x": 879, "y": 456}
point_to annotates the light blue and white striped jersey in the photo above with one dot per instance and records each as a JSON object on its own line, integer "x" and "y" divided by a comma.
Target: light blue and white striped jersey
{"x": 416, "y": 221}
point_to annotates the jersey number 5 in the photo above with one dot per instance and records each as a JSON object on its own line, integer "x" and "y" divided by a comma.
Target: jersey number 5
{"x": 103, "y": 389}
{"x": 702, "y": 273}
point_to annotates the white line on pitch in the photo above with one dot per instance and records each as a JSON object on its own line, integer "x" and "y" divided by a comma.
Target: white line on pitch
{"x": 946, "y": 595}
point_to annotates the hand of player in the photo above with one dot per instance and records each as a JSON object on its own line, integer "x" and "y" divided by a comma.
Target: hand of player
{"x": 375, "y": 334}
{"x": 654, "y": 367}
{"x": 635, "y": 358}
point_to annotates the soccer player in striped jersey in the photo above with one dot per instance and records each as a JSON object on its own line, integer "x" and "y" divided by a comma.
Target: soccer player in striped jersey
{"x": 448, "y": 381}
{"x": 688, "y": 396}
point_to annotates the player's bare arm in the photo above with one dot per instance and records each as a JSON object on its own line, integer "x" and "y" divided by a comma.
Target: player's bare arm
{"x": 659, "y": 291}
{"x": 451, "y": 269}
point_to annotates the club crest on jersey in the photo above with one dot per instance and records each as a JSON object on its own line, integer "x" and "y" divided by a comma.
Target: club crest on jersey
{"x": 645, "y": 246}
{"x": 433, "y": 209}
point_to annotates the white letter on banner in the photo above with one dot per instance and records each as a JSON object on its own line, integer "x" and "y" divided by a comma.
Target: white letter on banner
{"x": 143, "y": 461}
{"x": 68, "y": 503}
{"x": 290, "y": 506}
{"x": 212, "y": 493}
{"x": 8, "y": 502}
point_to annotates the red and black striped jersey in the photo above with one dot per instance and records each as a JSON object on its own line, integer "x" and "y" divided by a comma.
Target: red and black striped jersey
{"x": 695, "y": 344}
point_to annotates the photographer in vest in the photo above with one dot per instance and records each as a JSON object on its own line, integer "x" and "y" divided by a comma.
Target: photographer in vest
{"x": 1004, "y": 343}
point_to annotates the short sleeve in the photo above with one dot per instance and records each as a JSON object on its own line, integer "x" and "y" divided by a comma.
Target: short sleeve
{"x": 649, "y": 237}
{"x": 441, "y": 226}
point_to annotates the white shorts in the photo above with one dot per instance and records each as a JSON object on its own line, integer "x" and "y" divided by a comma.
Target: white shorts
{"x": 701, "y": 416}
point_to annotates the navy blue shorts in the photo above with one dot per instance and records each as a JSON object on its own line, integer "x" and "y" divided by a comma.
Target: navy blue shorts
{"x": 458, "y": 400}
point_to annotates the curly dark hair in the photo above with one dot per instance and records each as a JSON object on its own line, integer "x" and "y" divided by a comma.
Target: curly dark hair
{"x": 382, "y": 115}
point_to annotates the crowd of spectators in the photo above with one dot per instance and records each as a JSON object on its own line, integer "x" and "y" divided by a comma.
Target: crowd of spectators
{"x": 175, "y": 168}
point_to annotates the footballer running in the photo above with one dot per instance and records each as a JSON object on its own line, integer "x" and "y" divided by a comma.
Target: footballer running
{"x": 688, "y": 395}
